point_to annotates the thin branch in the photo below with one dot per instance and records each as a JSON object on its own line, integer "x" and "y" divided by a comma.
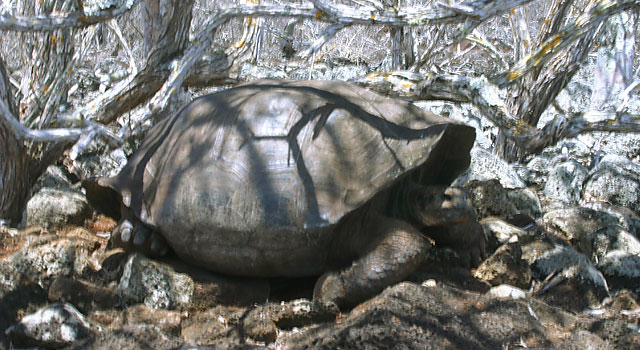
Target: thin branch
{"x": 484, "y": 96}
{"x": 50, "y": 22}
{"x": 565, "y": 37}
{"x": 626, "y": 94}
{"x": 113, "y": 24}
{"x": 324, "y": 37}
{"x": 57, "y": 134}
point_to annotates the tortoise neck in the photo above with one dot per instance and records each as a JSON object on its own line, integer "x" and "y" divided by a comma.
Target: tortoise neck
{"x": 401, "y": 203}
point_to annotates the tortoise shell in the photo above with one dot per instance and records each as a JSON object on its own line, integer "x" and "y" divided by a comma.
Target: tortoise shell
{"x": 252, "y": 180}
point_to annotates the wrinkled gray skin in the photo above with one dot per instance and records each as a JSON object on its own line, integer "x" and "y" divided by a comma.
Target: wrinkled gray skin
{"x": 277, "y": 178}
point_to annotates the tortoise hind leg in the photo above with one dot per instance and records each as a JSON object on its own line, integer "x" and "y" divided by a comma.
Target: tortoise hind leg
{"x": 388, "y": 251}
{"x": 132, "y": 235}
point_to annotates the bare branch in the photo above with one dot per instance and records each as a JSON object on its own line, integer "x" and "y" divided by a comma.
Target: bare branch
{"x": 56, "y": 134}
{"x": 626, "y": 95}
{"x": 326, "y": 35}
{"x": 483, "y": 95}
{"x": 113, "y": 24}
{"x": 77, "y": 19}
{"x": 565, "y": 37}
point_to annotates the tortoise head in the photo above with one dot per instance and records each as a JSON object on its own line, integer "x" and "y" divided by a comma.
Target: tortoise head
{"x": 440, "y": 206}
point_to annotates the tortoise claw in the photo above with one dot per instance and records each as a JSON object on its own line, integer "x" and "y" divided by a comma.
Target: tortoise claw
{"x": 139, "y": 238}
{"x": 330, "y": 288}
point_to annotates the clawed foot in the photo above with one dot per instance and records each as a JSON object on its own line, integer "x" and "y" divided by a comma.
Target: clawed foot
{"x": 330, "y": 288}
{"x": 139, "y": 238}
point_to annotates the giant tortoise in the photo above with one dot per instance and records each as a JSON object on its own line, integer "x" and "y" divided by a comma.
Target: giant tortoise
{"x": 280, "y": 178}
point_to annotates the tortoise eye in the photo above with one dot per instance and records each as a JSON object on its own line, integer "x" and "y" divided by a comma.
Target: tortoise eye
{"x": 446, "y": 197}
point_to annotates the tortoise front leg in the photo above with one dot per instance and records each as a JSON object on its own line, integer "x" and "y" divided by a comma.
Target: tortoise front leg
{"x": 387, "y": 250}
{"x": 132, "y": 235}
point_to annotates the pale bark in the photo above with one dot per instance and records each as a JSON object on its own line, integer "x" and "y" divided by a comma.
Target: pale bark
{"x": 14, "y": 190}
{"x": 536, "y": 80}
{"x": 614, "y": 67}
{"x": 59, "y": 20}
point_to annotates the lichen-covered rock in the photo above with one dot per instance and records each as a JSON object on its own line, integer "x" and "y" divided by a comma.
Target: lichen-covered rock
{"x": 564, "y": 182}
{"x": 259, "y": 326}
{"x": 415, "y": 317}
{"x": 597, "y": 244}
{"x": 55, "y": 177}
{"x": 626, "y": 217}
{"x": 55, "y": 207}
{"x": 615, "y": 180}
{"x": 140, "y": 336}
{"x": 571, "y": 274}
{"x": 583, "y": 339}
{"x": 505, "y": 266}
{"x": 571, "y": 224}
{"x": 45, "y": 257}
{"x": 154, "y": 284}
{"x": 486, "y": 166}
{"x": 53, "y": 326}
{"x": 622, "y": 269}
{"x": 490, "y": 198}
{"x": 500, "y": 232}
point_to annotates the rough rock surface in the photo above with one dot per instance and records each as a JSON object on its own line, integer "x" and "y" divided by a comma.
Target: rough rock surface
{"x": 565, "y": 181}
{"x": 486, "y": 166}
{"x": 615, "y": 180}
{"x": 445, "y": 306}
{"x": 492, "y": 199}
{"x": 53, "y": 326}
{"x": 55, "y": 207}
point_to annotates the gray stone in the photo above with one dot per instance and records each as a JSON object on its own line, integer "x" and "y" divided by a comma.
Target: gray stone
{"x": 615, "y": 180}
{"x": 107, "y": 164}
{"x": 487, "y": 166}
{"x": 156, "y": 285}
{"x": 564, "y": 182}
{"x": 572, "y": 274}
{"x": 53, "y": 177}
{"x": 53, "y": 326}
{"x": 571, "y": 224}
{"x": 622, "y": 269}
{"x": 46, "y": 258}
{"x": 490, "y": 198}
{"x": 505, "y": 266}
{"x": 626, "y": 217}
{"x": 51, "y": 208}
{"x": 598, "y": 244}
{"x": 506, "y": 291}
{"x": 502, "y": 231}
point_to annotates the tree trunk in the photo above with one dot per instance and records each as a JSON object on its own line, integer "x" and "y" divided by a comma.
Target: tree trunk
{"x": 24, "y": 162}
{"x": 14, "y": 187}
{"x": 533, "y": 93}
{"x": 165, "y": 38}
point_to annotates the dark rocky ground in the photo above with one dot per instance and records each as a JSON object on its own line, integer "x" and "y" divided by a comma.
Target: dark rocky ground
{"x": 62, "y": 288}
